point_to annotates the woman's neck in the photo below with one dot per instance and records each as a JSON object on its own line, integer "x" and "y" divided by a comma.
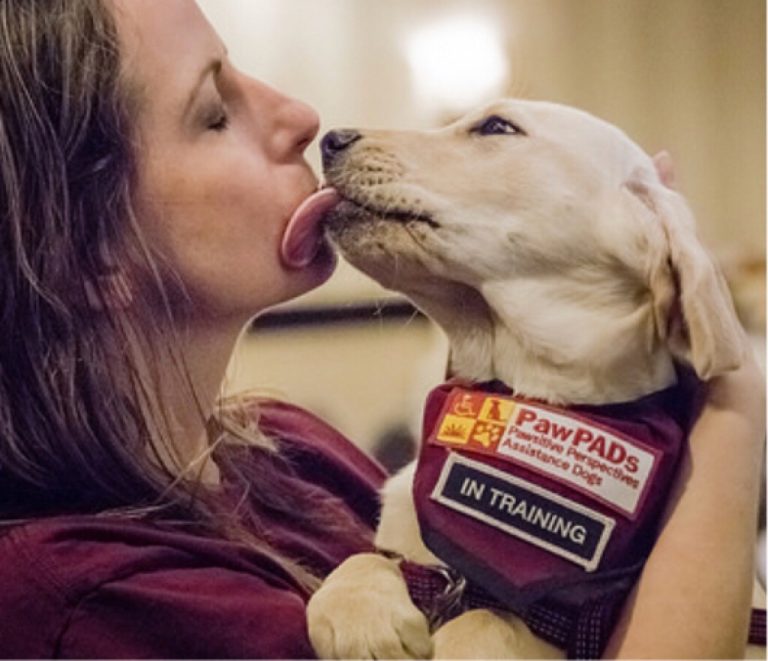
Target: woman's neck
{"x": 188, "y": 395}
{"x": 207, "y": 349}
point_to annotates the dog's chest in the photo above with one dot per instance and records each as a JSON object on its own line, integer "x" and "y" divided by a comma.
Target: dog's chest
{"x": 532, "y": 502}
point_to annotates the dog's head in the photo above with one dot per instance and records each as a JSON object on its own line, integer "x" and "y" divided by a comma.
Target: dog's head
{"x": 521, "y": 195}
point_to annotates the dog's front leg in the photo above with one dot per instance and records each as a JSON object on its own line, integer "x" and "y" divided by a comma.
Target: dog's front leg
{"x": 363, "y": 610}
{"x": 485, "y": 634}
{"x": 398, "y": 529}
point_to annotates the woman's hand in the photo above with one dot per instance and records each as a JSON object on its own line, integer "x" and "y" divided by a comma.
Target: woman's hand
{"x": 694, "y": 595}
{"x": 741, "y": 392}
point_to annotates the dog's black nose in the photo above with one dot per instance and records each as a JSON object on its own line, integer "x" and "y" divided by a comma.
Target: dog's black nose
{"x": 335, "y": 142}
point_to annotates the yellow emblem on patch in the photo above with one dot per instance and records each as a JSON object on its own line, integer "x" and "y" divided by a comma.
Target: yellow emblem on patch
{"x": 474, "y": 419}
{"x": 496, "y": 410}
{"x": 454, "y": 429}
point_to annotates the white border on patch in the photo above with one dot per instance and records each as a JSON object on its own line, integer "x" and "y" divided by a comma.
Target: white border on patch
{"x": 588, "y": 564}
{"x": 612, "y": 491}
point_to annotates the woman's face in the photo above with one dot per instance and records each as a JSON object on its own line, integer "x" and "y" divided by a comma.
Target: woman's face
{"x": 221, "y": 166}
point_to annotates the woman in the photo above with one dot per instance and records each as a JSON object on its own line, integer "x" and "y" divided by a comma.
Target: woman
{"x": 142, "y": 221}
{"x": 152, "y": 202}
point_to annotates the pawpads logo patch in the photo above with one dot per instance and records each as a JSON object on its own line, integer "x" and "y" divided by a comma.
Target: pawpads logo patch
{"x": 524, "y": 510}
{"x": 606, "y": 465}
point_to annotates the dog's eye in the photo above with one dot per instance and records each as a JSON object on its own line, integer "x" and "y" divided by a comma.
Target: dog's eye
{"x": 495, "y": 125}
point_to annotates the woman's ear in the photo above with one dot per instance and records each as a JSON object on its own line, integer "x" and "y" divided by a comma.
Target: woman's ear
{"x": 109, "y": 292}
{"x": 692, "y": 303}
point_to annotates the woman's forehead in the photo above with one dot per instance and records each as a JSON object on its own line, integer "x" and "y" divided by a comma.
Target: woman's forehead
{"x": 165, "y": 45}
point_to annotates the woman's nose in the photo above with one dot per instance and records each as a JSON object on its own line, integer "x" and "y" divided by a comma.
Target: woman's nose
{"x": 335, "y": 142}
{"x": 306, "y": 122}
{"x": 290, "y": 124}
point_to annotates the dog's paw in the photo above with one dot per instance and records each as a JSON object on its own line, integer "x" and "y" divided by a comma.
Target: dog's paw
{"x": 363, "y": 610}
{"x": 485, "y": 634}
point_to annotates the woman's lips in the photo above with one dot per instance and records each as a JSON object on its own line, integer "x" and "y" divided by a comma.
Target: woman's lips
{"x": 303, "y": 235}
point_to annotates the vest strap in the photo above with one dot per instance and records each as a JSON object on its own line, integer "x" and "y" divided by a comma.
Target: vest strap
{"x": 757, "y": 627}
{"x": 442, "y": 593}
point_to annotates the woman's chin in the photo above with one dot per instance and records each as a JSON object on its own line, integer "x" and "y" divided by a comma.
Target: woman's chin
{"x": 326, "y": 261}
{"x": 317, "y": 272}
{"x": 244, "y": 302}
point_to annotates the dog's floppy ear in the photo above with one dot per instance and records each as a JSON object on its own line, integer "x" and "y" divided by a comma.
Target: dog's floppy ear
{"x": 692, "y": 304}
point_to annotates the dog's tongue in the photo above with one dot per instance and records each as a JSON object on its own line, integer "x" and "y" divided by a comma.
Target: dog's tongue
{"x": 303, "y": 236}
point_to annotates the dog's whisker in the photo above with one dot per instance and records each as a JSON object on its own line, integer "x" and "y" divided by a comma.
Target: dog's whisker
{"x": 397, "y": 268}
{"x": 410, "y": 319}
{"x": 414, "y": 237}
{"x": 378, "y": 313}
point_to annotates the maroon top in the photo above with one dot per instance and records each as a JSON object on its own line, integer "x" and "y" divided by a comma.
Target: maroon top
{"x": 88, "y": 586}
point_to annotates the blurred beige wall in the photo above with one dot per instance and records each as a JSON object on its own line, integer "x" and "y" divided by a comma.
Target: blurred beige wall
{"x": 683, "y": 75}
{"x": 365, "y": 380}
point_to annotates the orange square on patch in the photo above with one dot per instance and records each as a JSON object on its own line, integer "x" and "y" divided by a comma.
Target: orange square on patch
{"x": 466, "y": 404}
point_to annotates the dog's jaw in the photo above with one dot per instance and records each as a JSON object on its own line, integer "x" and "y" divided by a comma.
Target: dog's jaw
{"x": 557, "y": 350}
{"x": 467, "y": 321}
{"x": 620, "y": 359}
{"x": 488, "y": 340}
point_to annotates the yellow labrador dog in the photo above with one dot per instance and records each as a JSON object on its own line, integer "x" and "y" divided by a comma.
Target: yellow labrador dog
{"x": 546, "y": 245}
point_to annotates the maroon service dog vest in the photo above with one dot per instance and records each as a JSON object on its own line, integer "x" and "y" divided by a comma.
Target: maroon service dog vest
{"x": 547, "y": 510}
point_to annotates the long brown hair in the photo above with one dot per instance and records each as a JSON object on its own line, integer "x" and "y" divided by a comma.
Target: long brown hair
{"x": 79, "y": 427}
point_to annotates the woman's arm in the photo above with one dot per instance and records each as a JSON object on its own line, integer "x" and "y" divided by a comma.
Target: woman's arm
{"x": 693, "y": 597}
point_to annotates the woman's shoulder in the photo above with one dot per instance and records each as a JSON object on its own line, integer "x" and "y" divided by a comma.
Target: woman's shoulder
{"x": 299, "y": 425}
{"x": 307, "y": 435}
{"x": 104, "y": 586}
{"x": 320, "y": 455}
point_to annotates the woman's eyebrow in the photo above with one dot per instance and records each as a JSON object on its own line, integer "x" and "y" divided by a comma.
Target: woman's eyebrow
{"x": 213, "y": 67}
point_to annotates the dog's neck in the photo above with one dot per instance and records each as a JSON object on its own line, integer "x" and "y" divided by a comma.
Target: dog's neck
{"x": 542, "y": 340}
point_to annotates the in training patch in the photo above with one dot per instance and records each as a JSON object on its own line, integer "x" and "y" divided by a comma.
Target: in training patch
{"x": 524, "y": 510}
{"x": 569, "y": 448}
